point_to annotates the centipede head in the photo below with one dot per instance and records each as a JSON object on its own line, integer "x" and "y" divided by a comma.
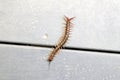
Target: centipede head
{"x": 68, "y": 19}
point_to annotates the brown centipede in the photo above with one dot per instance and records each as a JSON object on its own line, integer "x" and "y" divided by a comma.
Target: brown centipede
{"x": 63, "y": 38}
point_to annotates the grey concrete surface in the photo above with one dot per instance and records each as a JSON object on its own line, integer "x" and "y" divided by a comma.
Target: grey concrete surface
{"x": 29, "y": 63}
{"x": 97, "y": 22}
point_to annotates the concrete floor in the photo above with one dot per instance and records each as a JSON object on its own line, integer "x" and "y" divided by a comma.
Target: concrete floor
{"x": 96, "y": 26}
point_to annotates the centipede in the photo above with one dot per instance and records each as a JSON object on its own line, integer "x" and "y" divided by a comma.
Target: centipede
{"x": 63, "y": 39}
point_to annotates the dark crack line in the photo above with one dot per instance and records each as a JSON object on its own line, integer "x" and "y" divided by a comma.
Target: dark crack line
{"x": 68, "y": 48}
